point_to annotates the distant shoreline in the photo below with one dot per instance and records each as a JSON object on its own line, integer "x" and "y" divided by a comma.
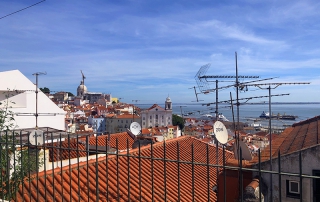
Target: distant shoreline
{"x": 250, "y": 103}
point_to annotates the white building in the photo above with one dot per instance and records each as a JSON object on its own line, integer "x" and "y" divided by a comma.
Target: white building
{"x": 157, "y": 116}
{"x": 22, "y": 101}
{"x": 84, "y": 96}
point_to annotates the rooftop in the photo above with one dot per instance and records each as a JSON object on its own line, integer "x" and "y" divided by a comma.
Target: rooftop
{"x": 124, "y": 176}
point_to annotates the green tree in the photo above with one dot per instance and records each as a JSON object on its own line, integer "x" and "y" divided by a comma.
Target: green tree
{"x": 45, "y": 90}
{"x": 177, "y": 120}
{"x": 16, "y": 163}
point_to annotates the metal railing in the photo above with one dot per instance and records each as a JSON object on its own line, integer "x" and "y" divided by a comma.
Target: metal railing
{"x": 66, "y": 168}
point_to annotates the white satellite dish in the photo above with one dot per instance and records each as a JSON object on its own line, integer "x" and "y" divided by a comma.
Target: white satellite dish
{"x": 246, "y": 154}
{"x": 36, "y": 137}
{"x": 135, "y": 128}
{"x": 220, "y": 132}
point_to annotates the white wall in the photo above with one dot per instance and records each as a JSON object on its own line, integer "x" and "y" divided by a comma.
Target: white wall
{"x": 50, "y": 115}
{"x": 290, "y": 164}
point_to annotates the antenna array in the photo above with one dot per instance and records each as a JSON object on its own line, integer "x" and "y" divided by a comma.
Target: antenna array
{"x": 203, "y": 85}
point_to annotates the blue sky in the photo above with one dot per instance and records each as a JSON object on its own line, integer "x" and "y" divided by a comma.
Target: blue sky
{"x": 147, "y": 50}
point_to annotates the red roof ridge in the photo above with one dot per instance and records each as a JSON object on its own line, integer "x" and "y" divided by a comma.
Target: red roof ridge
{"x": 316, "y": 118}
{"x": 71, "y": 166}
{"x": 157, "y": 144}
{"x": 154, "y": 106}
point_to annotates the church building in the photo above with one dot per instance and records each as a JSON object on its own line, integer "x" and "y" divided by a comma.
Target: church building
{"x": 84, "y": 96}
{"x": 157, "y": 116}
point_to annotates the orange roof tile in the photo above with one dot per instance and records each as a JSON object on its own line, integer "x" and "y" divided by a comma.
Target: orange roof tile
{"x": 120, "y": 137}
{"x": 127, "y": 116}
{"x": 65, "y": 150}
{"x": 117, "y": 177}
{"x": 155, "y": 106}
{"x": 300, "y": 136}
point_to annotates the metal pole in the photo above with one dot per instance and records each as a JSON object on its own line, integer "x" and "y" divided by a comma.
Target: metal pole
{"x": 182, "y": 129}
{"x": 133, "y": 113}
{"x": 36, "y": 115}
{"x": 238, "y": 114}
{"x": 217, "y": 114}
{"x": 270, "y": 139}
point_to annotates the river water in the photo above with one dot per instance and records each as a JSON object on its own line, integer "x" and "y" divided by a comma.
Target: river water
{"x": 247, "y": 112}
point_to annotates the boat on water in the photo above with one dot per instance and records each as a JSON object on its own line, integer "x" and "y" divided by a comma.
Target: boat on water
{"x": 221, "y": 117}
{"x": 266, "y": 115}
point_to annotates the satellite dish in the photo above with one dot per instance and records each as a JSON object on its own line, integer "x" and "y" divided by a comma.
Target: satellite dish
{"x": 36, "y": 137}
{"x": 246, "y": 154}
{"x": 135, "y": 128}
{"x": 220, "y": 132}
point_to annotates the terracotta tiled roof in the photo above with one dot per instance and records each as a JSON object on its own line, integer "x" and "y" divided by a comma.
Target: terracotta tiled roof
{"x": 300, "y": 136}
{"x": 155, "y": 106}
{"x": 112, "y": 178}
{"x": 122, "y": 140}
{"x": 110, "y": 115}
{"x": 127, "y": 116}
{"x": 145, "y": 131}
{"x": 65, "y": 150}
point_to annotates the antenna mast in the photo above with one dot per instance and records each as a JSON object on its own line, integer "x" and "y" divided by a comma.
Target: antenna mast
{"x": 201, "y": 81}
{"x": 36, "y": 114}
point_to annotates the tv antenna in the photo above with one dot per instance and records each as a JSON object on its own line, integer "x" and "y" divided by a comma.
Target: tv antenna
{"x": 37, "y": 74}
{"x": 36, "y": 114}
{"x": 246, "y": 99}
{"x": 269, "y": 88}
{"x": 195, "y": 92}
{"x": 203, "y": 82}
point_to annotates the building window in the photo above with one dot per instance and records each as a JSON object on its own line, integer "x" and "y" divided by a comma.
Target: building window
{"x": 157, "y": 116}
{"x": 150, "y": 117}
{"x": 144, "y": 123}
{"x": 293, "y": 189}
{"x": 144, "y": 118}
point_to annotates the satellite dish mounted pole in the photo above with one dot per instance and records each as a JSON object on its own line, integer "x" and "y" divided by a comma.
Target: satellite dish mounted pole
{"x": 36, "y": 114}
{"x": 133, "y": 109}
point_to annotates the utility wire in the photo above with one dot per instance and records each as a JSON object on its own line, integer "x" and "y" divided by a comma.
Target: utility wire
{"x": 21, "y": 9}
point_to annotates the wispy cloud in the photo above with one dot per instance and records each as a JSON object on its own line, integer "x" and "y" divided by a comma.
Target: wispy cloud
{"x": 151, "y": 49}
